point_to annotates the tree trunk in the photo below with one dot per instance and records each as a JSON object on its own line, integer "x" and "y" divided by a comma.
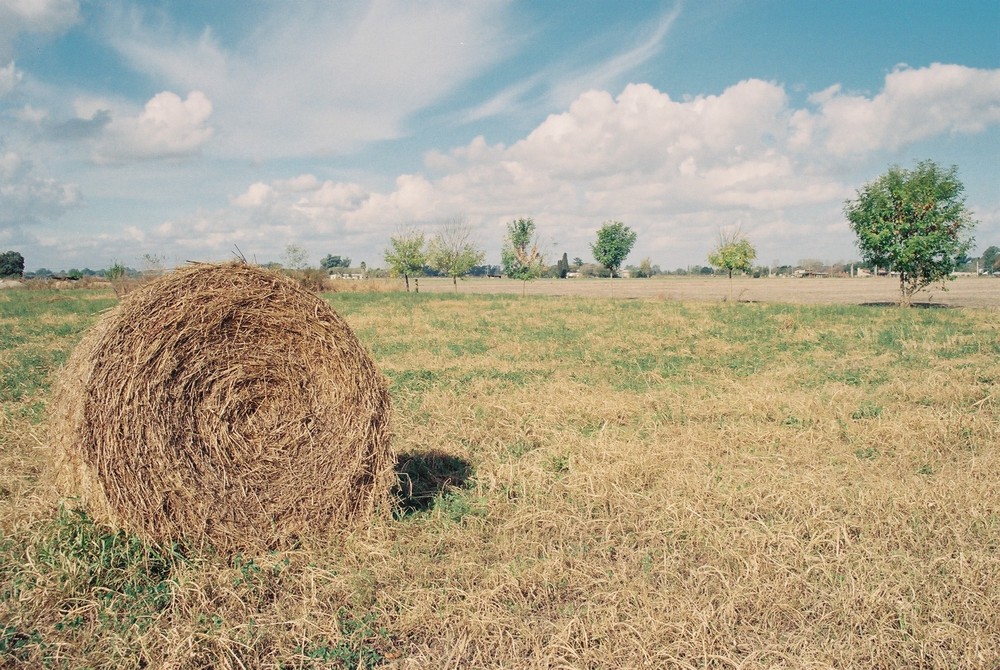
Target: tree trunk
{"x": 454, "y": 280}
{"x": 416, "y": 285}
{"x": 406, "y": 278}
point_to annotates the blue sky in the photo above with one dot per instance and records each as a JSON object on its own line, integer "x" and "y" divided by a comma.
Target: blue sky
{"x": 189, "y": 129}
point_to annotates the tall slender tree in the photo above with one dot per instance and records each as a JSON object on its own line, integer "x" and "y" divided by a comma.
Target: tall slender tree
{"x": 520, "y": 256}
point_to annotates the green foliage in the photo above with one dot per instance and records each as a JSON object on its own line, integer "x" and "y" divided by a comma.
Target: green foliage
{"x": 914, "y": 222}
{"x": 646, "y": 269}
{"x": 519, "y": 255}
{"x": 129, "y": 583}
{"x": 329, "y": 262}
{"x": 452, "y": 253}
{"x": 734, "y": 252}
{"x": 991, "y": 259}
{"x": 115, "y": 272}
{"x": 405, "y": 255}
{"x": 11, "y": 264}
{"x": 357, "y": 648}
{"x": 562, "y": 267}
{"x": 614, "y": 243}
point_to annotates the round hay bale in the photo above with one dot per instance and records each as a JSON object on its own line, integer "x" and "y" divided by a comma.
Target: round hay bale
{"x": 223, "y": 404}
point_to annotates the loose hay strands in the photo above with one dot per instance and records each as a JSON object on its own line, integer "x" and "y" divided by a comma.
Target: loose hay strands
{"x": 223, "y": 403}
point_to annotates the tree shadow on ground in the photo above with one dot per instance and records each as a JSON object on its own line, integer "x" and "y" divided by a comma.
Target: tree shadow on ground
{"x": 423, "y": 476}
{"x": 915, "y": 305}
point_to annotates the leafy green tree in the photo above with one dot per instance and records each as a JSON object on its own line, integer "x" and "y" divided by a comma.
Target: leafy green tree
{"x": 614, "y": 243}
{"x": 329, "y": 262}
{"x": 519, "y": 255}
{"x": 914, "y": 222}
{"x": 991, "y": 259}
{"x": 452, "y": 253}
{"x": 734, "y": 252}
{"x": 11, "y": 264}
{"x": 405, "y": 255}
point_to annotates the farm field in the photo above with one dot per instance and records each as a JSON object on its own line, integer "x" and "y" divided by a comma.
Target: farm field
{"x": 961, "y": 292}
{"x": 670, "y": 482}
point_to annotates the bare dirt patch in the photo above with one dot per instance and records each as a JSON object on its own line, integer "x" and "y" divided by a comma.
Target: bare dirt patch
{"x": 962, "y": 292}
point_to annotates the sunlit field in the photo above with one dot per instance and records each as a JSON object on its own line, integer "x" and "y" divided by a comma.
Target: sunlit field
{"x": 585, "y": 482}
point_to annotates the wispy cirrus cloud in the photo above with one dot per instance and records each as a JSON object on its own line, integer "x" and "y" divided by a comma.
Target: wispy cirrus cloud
{"x": 562, "y": 80}
{"x": 34, "y": 16}
{"x": 327, "y": 79}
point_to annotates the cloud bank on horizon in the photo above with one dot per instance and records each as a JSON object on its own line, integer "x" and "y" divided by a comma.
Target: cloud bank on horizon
{"x": 127, "y": 131}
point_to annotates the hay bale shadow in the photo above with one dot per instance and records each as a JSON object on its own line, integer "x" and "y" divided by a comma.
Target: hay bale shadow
{"x": 426, "y": 475}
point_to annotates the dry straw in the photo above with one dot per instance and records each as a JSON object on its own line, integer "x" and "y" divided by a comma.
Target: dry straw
{"x": 223, "y": 404}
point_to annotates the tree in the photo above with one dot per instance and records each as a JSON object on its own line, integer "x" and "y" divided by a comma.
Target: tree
{"x": 614, "y": 242}
{"x": 734, "y": 252}
{"x": 562, "y": 267}
{"x": 913, "y": 222}
{"x": 11, "y": 264}
{"x": 451, "y": 253}
{"x": 329, "y": 262}
{"x": 991, "y": 259}
{"x": 646, "y": 269}
{"x": 519, "y": 255}
{"x": 296, "y": 257}
{"x": 405, "y": 255}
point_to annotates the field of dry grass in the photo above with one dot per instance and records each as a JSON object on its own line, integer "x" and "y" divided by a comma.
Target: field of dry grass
{"x": 585, "y": 483}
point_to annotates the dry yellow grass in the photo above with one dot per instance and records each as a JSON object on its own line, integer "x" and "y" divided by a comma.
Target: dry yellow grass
{"x": 640, "y": 484}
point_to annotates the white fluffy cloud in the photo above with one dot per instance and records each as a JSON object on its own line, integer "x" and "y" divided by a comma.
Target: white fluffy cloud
{"x": 913, "y": 105}
{"x": 675, "y": 170}
{"x": 168, "y": 127}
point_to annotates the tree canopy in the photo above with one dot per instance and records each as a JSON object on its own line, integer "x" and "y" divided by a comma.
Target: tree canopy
{"x": 991, "y": 259}
{"x": 913, "y": 222}
{"x": 614, "y": 243}
{"x": 452, "y": 253}
{"x": 329, "y": 262}
{"x": 734, "y": 252}
{"x": 11, "y": 264}
{"x": 520, "y": 256}
{"x": 405, "y": 255}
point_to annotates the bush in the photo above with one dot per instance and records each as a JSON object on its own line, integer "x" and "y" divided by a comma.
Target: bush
{"x": 11, "y": 264}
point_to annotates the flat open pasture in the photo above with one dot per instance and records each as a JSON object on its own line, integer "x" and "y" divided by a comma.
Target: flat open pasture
{"x": 961, "y": 292}
{"x": 584, "y": 483}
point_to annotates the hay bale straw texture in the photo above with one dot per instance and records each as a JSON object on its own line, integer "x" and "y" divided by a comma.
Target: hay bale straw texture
{"x": 223, "y": 404}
